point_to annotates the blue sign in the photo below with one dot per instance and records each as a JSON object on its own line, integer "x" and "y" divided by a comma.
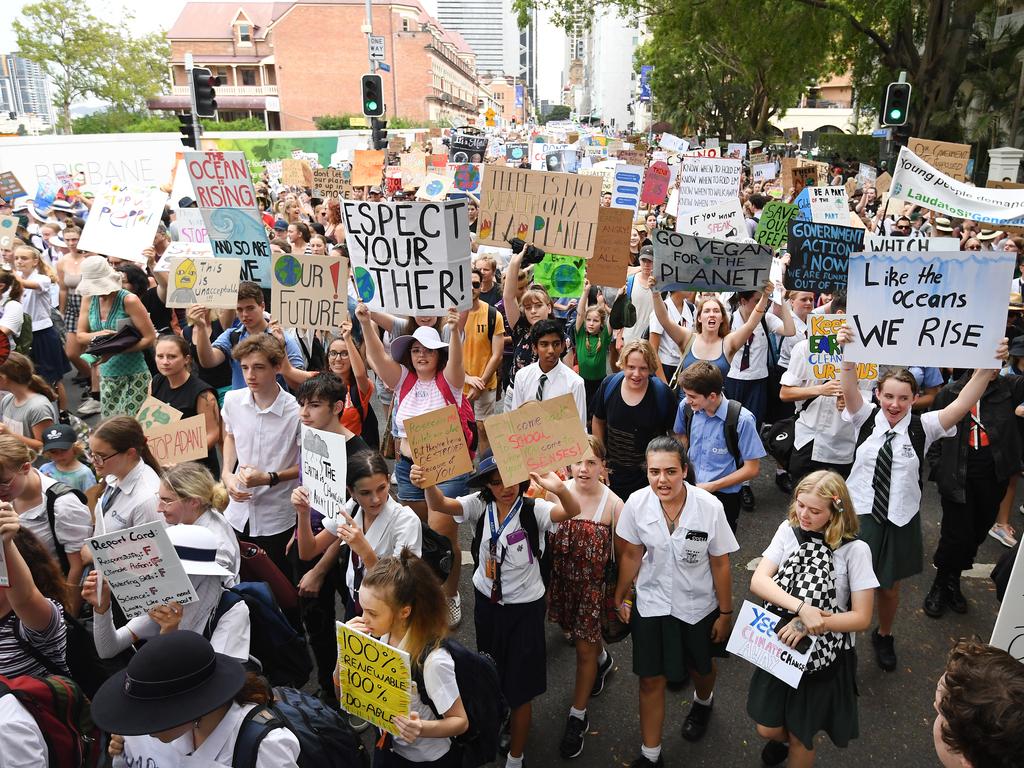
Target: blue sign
{"x": 383, "y": 67}
{"x": 645, "y": 82}
{"x": 519, "y": 97}
{"x": 882, "y": 133}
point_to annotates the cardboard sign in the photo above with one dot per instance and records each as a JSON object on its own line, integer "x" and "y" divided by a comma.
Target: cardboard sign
{"x": 296, "y": 173}
{"x": 883, "y": 182}
{"x": 122, "y": 221}
{"x": 626, "y": 186}
{"x": 329, "y": 182}
{"x": 561, "y": 276}
{"x": 435, "y": 187}
{"x": 753, "y": 638}
{"x": 10, "y": 187}
{"x": 324, "y": 464}
{"x": 536, "y": 437}
{"x": 689, "y": 263}
{"x": 239, "y": 233}
{"x": 873, "y": 242}
{"x": 8, "y": 231}
{"x": 1008, "y": 632}
{"x": 466, "y": 177}
{"x": 824, "y": 355}
{"x": 156, "y": 413}
{"x": 604, "y": 171}
{"x": 610, "y": 261}
{"x": 221, "y": 179}
{"x": 554, "y": 211}
{"x": 656, "y": 180}
{"x": 723, "y": 221}
{"x": 142, "y": 568}
{"x": 438, "y": 444}
{"x": 368, "y": 167}
{"x": 374, "y": 678}
{"x": 945, "y": 156}
{"x": 707, "y": 181}
{"x": 210, "y": 282}
{"x": 632, "y": 157}
{"x": 414, "y": 169}
{"x": 829, "y": 204}
{"x": 915, "y": 181}
{"x": 309, "y": 292}
{"x": 818, "y": 255}
{"x": 935, "y": 309}
{"x": 410, "y": 258}
{"x": 179, "y": 441}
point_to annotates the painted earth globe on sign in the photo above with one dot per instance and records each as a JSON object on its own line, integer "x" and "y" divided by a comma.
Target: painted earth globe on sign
{"x": 288, "y": 271}
{"x": 364, "y": 284}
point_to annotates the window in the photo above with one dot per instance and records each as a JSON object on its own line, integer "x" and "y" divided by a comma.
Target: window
{"x": 405, "y": 25}
{"x": 244, "y": 34}
{"x": 248, "y": 77}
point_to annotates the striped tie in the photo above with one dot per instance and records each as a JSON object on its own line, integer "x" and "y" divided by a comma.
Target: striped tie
{"x": 882, "y": 480}
{"x": 540, "y": 386}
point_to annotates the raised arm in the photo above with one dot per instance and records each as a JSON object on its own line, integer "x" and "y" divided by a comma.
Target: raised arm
{"x": 508, "y": 291}
{"x": 676, "y": 332}
{"x": 738, "y": 337}
{"x": 785, "y": 314}
{"x": 581, "y": 310}
{"x": 951, "y": 415}
{"x": 386, "y": 367}
{"x": 455, "y": 371}
{"x": 209, "y": 357}
{"x": 848, "y": 374}
{"x": 436, "y": 500}
{"x": 355, "y": 358}
{"x": 28, "y": 603}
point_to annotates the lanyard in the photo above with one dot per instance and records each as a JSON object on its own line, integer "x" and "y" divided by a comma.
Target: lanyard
{"x": 496, "y": 531}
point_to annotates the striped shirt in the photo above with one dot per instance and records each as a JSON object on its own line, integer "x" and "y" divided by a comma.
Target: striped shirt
{"x": 51, "y": 642}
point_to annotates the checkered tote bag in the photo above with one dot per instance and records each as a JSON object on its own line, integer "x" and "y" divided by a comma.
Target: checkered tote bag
{"x": 809, "y": 574}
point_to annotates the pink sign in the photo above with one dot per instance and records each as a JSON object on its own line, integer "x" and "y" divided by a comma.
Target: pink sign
{"x": 655, "y": 186}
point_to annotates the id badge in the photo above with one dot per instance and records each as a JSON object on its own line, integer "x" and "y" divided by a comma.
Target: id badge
{"x": 519, "y": 538}
{"x": 490, "y": 568}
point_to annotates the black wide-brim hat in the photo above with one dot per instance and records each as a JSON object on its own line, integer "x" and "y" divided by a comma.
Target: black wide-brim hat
{"x": 173, "y": 679}
{"x": 485, "y": 467}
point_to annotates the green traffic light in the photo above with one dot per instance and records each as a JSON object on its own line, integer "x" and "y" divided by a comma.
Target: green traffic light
{"x": 895, "y": 114}
{"x": 371, "y": 106}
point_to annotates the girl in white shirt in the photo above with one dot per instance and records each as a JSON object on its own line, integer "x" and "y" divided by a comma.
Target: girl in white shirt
{"x": 37, "y": 278}
{"x": 12, "y": 312}
{"x": 129, "y": 470}
{"x": 404, "y": 606}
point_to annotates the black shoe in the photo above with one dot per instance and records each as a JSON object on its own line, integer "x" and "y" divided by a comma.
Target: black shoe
{"x": 774, "y": 753}
{"x": 954, "y": 597}
{"x": 935, "y": 603}
{"x": 785, "y": 483}
{"x": 696, "y": 722}
{"x": 746, "y": 498}
{"x": 643, "y": 762}
{"x": 603, "y": 670}
{"x": 572, "y": 739}
{"x": 885, "y": 651}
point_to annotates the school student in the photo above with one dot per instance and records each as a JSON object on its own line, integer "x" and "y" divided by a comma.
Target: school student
{"x": 131, "y": 474}
{"x": 509, "y": 590}
{"x": 885, "y": 482}
{"x": 549, "y": 377}
{"x": 673, "y": 541}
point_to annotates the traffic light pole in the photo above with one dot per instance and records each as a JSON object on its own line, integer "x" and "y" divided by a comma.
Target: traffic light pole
{"x": 374, "y": 121}
{"x": 189, "y": 66}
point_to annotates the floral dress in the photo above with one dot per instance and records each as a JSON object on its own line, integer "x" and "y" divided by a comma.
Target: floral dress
{"x": 124, "y": 378}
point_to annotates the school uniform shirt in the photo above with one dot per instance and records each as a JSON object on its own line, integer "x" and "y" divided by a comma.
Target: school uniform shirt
{"x": 675, "y": 572}
{"x": 266, "y": 439}
{"x": 852, "y": 559}
{"x": 520, "y": 568}
{"x": 643, "y": 302}
{"x": 708, "y": 452}
{"x": 758, "y": 363}
{"x": 278, "y": 749}
{"x": 36, "y": 302}
{"x": 71, "y": 518}
{"x": 904, "y": 483}
{"x": 134, "y": 504}
{"x": 228, "y": 553}
{"x": 223, "y": 342}
{"x": 562, "y": 380}
{"x": 668, "y": 351}
{"x": 789, "y": 342}
{"x": 21, "y": 741}
{"x": 12, "y": 318}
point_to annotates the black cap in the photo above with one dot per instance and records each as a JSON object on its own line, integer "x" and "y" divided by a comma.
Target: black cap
{"x": 647, "y": 252}
{"x": 59, "y": 436}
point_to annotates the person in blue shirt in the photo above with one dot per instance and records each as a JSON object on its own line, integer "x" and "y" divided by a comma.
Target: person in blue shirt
{"x": 929, "y": 382}
{"x": 715, "y": 468}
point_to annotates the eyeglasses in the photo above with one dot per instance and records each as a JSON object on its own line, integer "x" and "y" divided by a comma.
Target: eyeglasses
{"x": 337, "y": 353}
{"x": 973, "y": 248}
{"x": 476, "y": 286}
{"x": 903, "y": 227}
{"x": 8, "y": 483}
{"x": 99, "y": 458}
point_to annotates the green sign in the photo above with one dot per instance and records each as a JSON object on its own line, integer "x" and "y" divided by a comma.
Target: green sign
{"x": 562, "y": 276}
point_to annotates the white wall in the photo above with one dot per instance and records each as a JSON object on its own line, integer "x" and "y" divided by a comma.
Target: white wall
{"x": 612, "y": 86}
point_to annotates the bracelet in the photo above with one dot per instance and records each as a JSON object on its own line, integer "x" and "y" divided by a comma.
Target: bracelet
{"x": 274, "y": 479}
{"x": 799, "y": 608}
{"x": 628, "y": 602}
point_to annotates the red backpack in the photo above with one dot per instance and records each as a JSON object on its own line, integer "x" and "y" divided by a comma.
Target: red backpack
{"x": 62, "y": 713}
{"x": 465, "y": 408}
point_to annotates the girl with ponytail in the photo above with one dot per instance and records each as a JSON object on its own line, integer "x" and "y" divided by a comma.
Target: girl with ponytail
{"x": 131, "y": 473}
{"x": 29, "y": 408}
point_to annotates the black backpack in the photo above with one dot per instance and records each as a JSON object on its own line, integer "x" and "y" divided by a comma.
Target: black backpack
{"x": 53, "y": 493}
{"x": 732, "y": 430}
{"x": 528, "y": 520}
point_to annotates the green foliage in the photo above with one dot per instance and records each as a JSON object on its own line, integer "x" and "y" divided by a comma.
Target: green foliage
{"x": 344, "y": 122}
{"x": 863, "y": 148}
{"x": 332, "y": 122}
{"x": 245, "y": 124}
{"x": 558, "y": 112}
{"x": 114, "y": 120}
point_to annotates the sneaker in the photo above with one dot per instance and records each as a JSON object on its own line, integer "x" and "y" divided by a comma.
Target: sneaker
{"x": 603, "y": 670}
{"x": 784, "y": 482}
{"x": 696, "y": 722}
{"x": 774, "y": 753}
{"x": 454, "y": 611}
{"x": 885, "y": 651}
{"x": 935, "y": 603}
{"x": 82, "y": 381}
{"x": 643, "y": 762}
{"x": 357, "y": 724}
{"x": 747, "y": 498}
{"x": 89, "y": 408}
{"x": 572, "y": 739}
{"x": 1001, "y": 533}
{"x": 955, "y": 598}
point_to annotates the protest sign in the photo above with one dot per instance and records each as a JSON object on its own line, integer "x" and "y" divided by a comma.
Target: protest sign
{"x": 689, "y": 263}
{"x": 180, "y": 248}
{"x": 824, "y": 355}
{"x": 802, "y": 176}
{"x": 435, "y": 187}
{"x": 673, "y": 143}
{"x": 829, "y": 204}
{"x": 210, "y": 282}
{"x": 1008, "y": 632}
{"x": 517, "y": 152}
{"x": 323, "y": 464}
{"x": 818, "y": 255}
{"x": 10, "y": 187}
{"x": 605, "y": 170}
{"x": 753, "y": 638}
{"x": 562, "y": 161}
{"x": 735, "y": 150}
{"x": 883, "y": 182}
{"x": 701, "y": 152}
{"x": 554, "y": 211}
{"x": 466, "y": 147}
{"x": 8, "y": 231}
{"x": 915, "y": 181}
{"x": 221, "y": 179}
{"x": 438, "y": 444}
{"x": 240, "y": 233}
{"x": 156, "y": 413}
{"x": 765, "y": 171}
{"x": 375, "y": 680}
{"x": 655, "y": 188}
{"x": 466, "y": 177}
{"x": 773, "y": 226}
{"x": 296, "y": 173}
{"x": 866, "y": 175}
{"x": 632, "y": 157}
{"x": 179, "y": 441}
{"x": 626, "y": 186}
{"x": 414, "y": 169}
{"x": 329, "y": 182}
{"x": 122, "y": 221}
{"x": 309, "y": 291}
{"x": 722, "y": 221}
{"x": 945, "y": 156}
{"x": 705, "y": 182}
{"x": 142, "y": 568}
{"x": 410, "y": 258}
{"x": 368, "y": 167}
{"x": 929, "y": 309}
{"x": 873, "y": 242}
{"x": 191, "y": 228}
{"x": 610, "y": 261}
{"x": 396, "y": 144}
{"x": 536, "y": 437}
{"x": 561, "y": 276}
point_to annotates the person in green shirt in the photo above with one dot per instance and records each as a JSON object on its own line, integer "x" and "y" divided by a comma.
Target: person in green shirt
{"x": 593, "y": 343}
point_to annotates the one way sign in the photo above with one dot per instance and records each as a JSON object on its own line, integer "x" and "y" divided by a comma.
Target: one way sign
{"x": 377, "y": 47}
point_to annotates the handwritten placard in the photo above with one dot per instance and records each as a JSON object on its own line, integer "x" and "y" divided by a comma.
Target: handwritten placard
{"x": 324, "y": 466}
{"x": 375, "y": 679}
{"x": 239, "y": 233}
{"x": 8, "y": 231}
{"x": 210, "y": 282}
{"x": 142, "y": 568}
{"x": 435, "y": 187}
{"x": 156, "y": 413}
{"x": 753, "y": 638}
{"x": 296, "y": 173}
{"x": 824, "y": 355}
{"x": 329, "y": 182}
{"x": 179, "y": 441}
{"x": 655, "y": 188}
{"x": 438, "y": 444}
{"x": 308, "y": 291}
{"x": 708, "y": 181}
{"x": 723, "y": 221}
{"x": 945, "y": 156}
{"x": 536, "y": 437}
{"x": 818, "y": 255}
{"x": 221, "y": 179}
{"x": 368, "y": 167}
{"x": 10, "y": 187}
{"x": 687, "y": 263}
{"x": 773, "y": 227}
{"x": 611, "y": 248}
{"x": 122, "y": 221}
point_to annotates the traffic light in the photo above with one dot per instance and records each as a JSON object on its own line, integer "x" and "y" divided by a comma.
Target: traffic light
{"x": 203, "y": 84}
{"x": 380, "y": 136}
{"x": 373, "y": 96}
{"x": 896, "y": 105}
{"x": 187, "y": 131}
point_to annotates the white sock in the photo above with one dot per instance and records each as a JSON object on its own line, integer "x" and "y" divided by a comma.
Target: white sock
{"x": 579, "y": 714}
{"x": 779, "y": 471}
{"x": 514, "y": 762}
{"x": 651, "y": 753}
{"x": 706, "y": 702}
{"x": 746, "y": 483}
{"x": 603, "y": 657}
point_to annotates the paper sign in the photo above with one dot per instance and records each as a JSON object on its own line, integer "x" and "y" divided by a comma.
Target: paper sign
{"x": 329, "y": 182}
{"x": 632, "y": 157}
{"x": 687, "y": 263}
{"x": 465, "y": 147}
{"x": 656, "y": 180}
{"x": 296, "y": 173}
{"x": 946, "y": 157}
{"x": 324, "y": 464}
{"x": 179, "y": 441}
{"x": 935, "y": 309}
{"x": 765, "y": 171}
{"x": 438, "y": 444}
{"x": 410, "y": 258}
{"x": 156, "y": 413}
{"x": 221, "y": 179}
{"x": 773, "y": 226}
{"x": 723, "y": 221}
{"x": 610, "y": 261}
{"x": 561, "y": 276}
{"x": 866, "y": 175}
{"x": 239, "y": 233}
{"x": 554, "y": 211}
{"x": 122, "y": 221}
{"x": 873, "y": 242}
{"x": 737, "y": 151}
{"x": 466, "y": 177}
{"x": 708, "y": 181}
{"x": 142, "y": 568}
{"x": 414, "y": 169}
{"x": 626, "y": 186}
{"x": 309, "y": 292}
{"x": 435, "y": 187}
{"x": 605, "y": 171}
{"x": 10, "y": 187}
{"x": 368, "y": 167}
{"x": 829, "y": 204}
{"x": 517, "y": 152}
{"x": 883, "y": 182}
{"x": 818, "y": 255}
{"x": 8, "y": 231}
{"x": 536, "y": 437}
{"x": 753, "y": 638}
{"x": 824, "y": 355}
{"x": 673, "y": 143}
{"x": 1008, "y": 633}
{"x": 210, "y": 282}
{"x": 191, "y": 228}
{"x": 562, "y": 161}
{"x": 375, "y": 679}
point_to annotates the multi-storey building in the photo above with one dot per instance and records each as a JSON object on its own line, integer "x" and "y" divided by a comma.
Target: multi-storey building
{"x": 24, "y": 88}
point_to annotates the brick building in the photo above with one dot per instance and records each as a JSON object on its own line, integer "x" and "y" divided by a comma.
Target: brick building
{"x": 504, "y": 89}
{"x": 288, "y": 62}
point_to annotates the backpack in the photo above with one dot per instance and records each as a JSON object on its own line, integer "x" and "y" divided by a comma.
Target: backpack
{"x": 53, "y": 493}
{"x": 23, "y": 341}
{"x": 732, "y": 432}
{"x": 666, "y": 399}
{"x": 326, "y": 740}
{"x": 480, "y": 691}
{"x": 281, "y": 651}
{"x": 915, "y": 431}
{"x": 467, "y": 416}
{"x": 62, "y": 713}
{"x": 528, "y": 521}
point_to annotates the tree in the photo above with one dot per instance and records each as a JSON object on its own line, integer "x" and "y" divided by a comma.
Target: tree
{"x": 22, "y": 131}
{"x": 558, "y": 112}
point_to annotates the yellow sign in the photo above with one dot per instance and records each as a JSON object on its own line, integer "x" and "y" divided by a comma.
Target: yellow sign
{"x": 489, "y": 115}
{"x": 375, "y": 678}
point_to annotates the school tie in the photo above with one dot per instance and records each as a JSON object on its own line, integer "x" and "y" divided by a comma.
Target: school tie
{"x": 108, "y": 497}
{"x": 882, "y": 480}
{"x": 745, "y": 359}
{"x": 540, "y": 386}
